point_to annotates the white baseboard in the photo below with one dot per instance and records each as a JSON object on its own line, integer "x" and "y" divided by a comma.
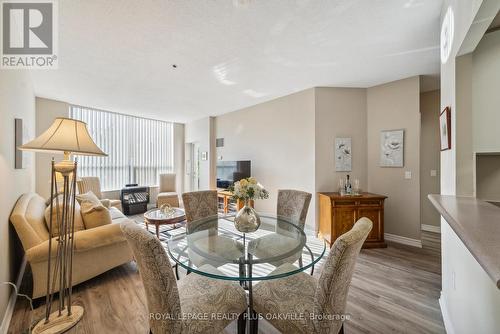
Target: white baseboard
{"x": 4, "y": 327}
{"x": 430, "y": 228}
{"x": 448, "y": 326}
{"x": 403, "y": 240}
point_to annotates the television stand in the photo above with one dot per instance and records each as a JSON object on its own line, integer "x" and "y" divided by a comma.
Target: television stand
{"x": 226, "y": 198}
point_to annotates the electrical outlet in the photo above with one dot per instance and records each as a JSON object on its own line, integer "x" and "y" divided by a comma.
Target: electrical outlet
{"x": 407, "y": 175}
{"x": 433, "y": 172}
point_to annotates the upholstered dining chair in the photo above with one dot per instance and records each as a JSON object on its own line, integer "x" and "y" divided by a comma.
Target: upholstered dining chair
{"x": 292, "y": 208}
{"x": 318, "y": 303}
{"x": 172, "y": 303}
{"x": 167, "y": 193}
{"x": 200, "y": 204}
{"x": 93, "y": 184}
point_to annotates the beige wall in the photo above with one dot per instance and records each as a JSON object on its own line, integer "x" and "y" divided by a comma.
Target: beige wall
{"x": 488, "y": 177}
{"x": 396, "y": 105}
{"x": 485, "y": 93}
{"x": 463, "y": 123}
{"x": 430, "y": 151}
{"x": 340, "y": 112}
{"x": 278, "y": 137}
{"x": 17, "y": 100}
{"x": 46, "y": 111}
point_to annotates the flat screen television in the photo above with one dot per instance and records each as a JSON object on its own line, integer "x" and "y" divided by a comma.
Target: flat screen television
{"x": 229, "y": 172}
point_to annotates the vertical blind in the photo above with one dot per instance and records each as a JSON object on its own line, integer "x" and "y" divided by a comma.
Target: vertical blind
{"x": 138, "y": 149}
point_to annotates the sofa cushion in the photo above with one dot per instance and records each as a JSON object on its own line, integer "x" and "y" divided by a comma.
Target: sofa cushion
{"x": 55, "y": 209}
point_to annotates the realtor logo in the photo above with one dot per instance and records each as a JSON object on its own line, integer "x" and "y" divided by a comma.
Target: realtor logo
{"x": 29, "y": 34}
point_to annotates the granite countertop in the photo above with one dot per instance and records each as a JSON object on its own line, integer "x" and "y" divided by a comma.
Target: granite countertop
{"x": 477, "y": 224}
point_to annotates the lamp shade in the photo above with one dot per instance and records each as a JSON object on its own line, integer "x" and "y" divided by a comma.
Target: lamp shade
{"x": 65, "y": 135}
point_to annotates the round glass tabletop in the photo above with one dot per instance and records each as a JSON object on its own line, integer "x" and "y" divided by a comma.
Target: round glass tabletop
{"x": 261, "y": 255}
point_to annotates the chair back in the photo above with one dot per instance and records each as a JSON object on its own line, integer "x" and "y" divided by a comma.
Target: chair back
{"x": 167, "y": 183}
{"x": 90, "y": 183}
{"x": 200, "y": 204}
{"x": 293, "y": 205}
{"x": 158, "y": 278}
{"x": 335, "y": 278}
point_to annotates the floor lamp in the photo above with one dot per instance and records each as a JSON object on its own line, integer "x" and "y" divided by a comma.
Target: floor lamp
{"x": 67, "y": 136}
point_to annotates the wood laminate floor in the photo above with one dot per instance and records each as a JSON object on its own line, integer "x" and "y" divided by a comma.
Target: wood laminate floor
{"x": 394, "y": 290}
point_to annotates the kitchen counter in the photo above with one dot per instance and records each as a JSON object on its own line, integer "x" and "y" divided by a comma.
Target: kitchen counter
{"x": 477, "y": 224}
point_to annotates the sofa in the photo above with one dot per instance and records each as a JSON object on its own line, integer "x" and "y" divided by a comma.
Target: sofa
{"x": 96, "y": 250}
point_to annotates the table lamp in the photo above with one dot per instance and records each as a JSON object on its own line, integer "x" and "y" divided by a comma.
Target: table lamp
{"x": 67, "y": 136}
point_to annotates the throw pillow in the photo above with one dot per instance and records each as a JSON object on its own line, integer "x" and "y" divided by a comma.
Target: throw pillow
{"x": 94, "y": 215}
{"x": 88, "y": 197}
{"x": 79, "y": 226}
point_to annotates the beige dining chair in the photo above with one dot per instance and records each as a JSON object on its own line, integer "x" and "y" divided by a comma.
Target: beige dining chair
{"x": 167, "y": 193}
{"x": 292, "y": 208}
{"x": 172, "y": 304}
{"x": 317, "y": 304}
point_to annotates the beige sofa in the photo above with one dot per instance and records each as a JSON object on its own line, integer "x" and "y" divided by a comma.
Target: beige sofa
{"x": 96, "y": 250}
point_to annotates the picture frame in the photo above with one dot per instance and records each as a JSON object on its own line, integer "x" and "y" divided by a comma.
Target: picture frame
{"x": 392, "y": 148}
{"x": 445, "y": 129}
{"x": 343, "y": 154}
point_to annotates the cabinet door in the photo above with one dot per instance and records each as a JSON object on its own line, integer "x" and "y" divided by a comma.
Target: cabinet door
{"x": 374, "y": 214}
{"x": 344, "y": 220}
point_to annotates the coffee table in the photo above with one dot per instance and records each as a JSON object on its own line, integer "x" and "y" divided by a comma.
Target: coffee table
{"x": 158, "y": 218}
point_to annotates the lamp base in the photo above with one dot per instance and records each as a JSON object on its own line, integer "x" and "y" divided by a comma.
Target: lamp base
{"x": 59, "y": 324}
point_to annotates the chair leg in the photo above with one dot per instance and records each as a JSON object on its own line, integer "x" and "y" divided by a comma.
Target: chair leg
{"x": 341, "y": 331}
{"x": 242, "y": 324}
{"x": 176, "y": 266}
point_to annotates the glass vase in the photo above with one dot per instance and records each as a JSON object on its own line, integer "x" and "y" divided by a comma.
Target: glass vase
{"x": 247, "y": 220}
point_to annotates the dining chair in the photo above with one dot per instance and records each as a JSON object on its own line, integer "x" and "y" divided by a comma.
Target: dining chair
{"x": 172, "y": 304}
{"x": 200, "y": 204}
{"x": 200, "y": 207}
{"x": 292, "y": 208}
{"x": 167, "y": 193}
{"x": 317, "y": 305}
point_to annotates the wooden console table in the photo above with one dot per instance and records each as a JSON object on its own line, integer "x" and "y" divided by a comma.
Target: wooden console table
{"x": 337, "y": 215}
{"x": 226, "y": 195}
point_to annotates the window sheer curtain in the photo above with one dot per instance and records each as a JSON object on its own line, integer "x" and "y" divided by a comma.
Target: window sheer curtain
{"x": 138, "y": 148}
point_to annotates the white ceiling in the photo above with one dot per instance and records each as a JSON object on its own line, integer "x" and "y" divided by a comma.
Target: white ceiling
{"x": 118, "y": 55}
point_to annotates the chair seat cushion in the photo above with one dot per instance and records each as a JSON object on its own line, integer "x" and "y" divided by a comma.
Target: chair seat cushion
{"x": 288, "y": 302}
{"x": 222, "y": 301}
{"x": 274, "y": 244}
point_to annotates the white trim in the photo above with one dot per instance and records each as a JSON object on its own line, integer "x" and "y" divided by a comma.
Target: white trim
{"x": 448, "y": 326}
{"x": 403, "y": 240}
{"x": 430, "y": 228}
{"x": 9, "y": 310}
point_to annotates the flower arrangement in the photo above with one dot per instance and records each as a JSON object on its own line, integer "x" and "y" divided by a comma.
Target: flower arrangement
{"x": 248, "y": 189}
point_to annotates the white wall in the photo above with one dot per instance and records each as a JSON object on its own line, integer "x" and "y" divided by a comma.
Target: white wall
{"x": 485, "y": 93}
{"x": 46, "y": 112}
{"x": 278, "y": 137}
{"x": 396, "y": 105}
{"x": 17, "y": 100}
{"x": 464, "y": 309}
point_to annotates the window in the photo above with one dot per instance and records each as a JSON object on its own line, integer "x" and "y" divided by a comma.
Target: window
{"x": 138, "y": 148}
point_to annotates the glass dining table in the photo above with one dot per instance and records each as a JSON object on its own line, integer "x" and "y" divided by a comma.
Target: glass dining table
{"x": 214, "y": 242}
